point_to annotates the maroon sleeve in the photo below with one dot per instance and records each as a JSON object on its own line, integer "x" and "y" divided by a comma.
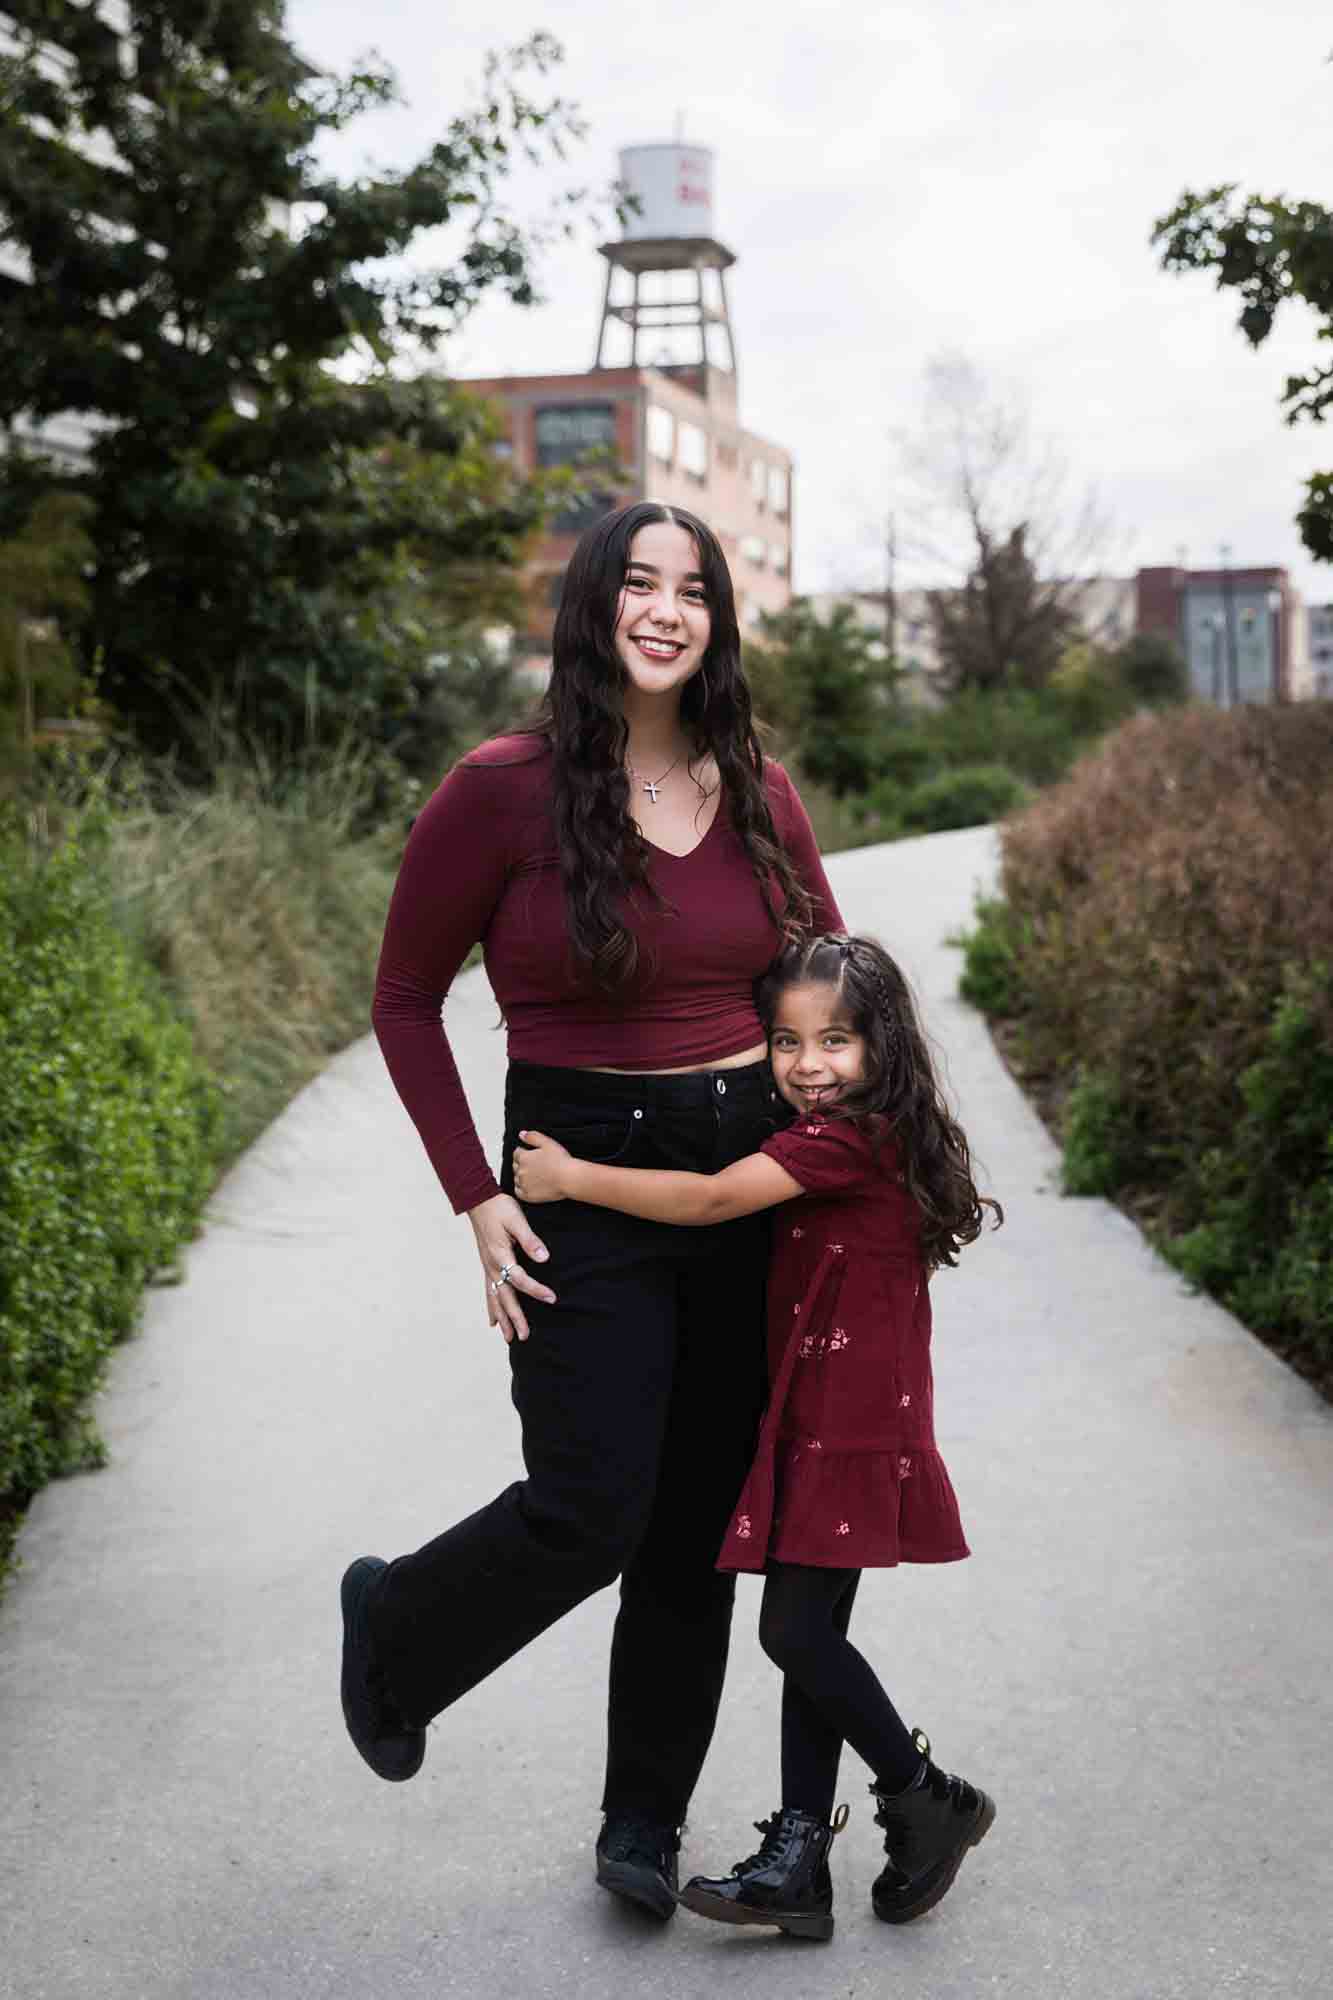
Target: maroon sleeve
{"x": 798, "y": 837}
{"x": 829, "y": 1156}
{"x": 451, "y": 878}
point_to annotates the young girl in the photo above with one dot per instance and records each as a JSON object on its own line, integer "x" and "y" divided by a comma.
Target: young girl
{"x": 846, "y": 1475}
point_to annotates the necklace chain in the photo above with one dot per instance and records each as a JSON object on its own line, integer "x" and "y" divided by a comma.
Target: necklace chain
{"x": 650, "y": 785}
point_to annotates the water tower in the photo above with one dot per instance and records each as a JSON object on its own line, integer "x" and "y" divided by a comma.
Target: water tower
{"x": 665, "y": 279}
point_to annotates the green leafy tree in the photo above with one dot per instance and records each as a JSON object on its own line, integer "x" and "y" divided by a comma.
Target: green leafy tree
{"x": 1270, "y": 251}
{"x": 201, "y": 289}
{"x": 825, "y": 686}
{"x": 41, "y": 584}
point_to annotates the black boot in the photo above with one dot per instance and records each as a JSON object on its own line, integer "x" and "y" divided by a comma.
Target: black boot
{"x": 636, "y": 1860}
{"x": 786, "y": 1883}
{"x": 928, "y": 1828}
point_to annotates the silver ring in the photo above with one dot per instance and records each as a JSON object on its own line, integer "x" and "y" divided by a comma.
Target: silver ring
{"x": 503, "y": 1278}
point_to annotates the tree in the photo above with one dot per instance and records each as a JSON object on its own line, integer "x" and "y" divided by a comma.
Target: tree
{"x": 1271, "y": 251}
{"x": 824, "y": 686}
{"x": 41, "y": 584}
{"x": 199, "y": 289}
{"x": 989, "y": 502}
{"x": 1152, "y": 669}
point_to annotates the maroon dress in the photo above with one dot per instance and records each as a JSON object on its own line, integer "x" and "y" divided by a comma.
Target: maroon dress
{"x": 846, "y": 1475}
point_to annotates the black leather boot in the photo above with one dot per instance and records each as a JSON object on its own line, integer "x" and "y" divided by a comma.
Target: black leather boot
{"x": 787, "y": 1883}
{"x": 636, "y": 1860}
{"x": 927, "y": 1830}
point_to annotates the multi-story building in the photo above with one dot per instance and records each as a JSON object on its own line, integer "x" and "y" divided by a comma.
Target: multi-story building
{"x": 665, "y": 410}
{"x": 66, "y": 437}
{"x": 674, "y": 444}
{"x": 1242, "y": 631}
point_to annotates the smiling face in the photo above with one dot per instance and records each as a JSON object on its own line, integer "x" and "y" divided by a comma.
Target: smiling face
{"x": 816, "y": 1051}
{"x": 663, "y": 623}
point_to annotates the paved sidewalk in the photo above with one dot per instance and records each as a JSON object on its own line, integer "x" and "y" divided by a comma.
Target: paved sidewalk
{"x": 1137, "y": 1661}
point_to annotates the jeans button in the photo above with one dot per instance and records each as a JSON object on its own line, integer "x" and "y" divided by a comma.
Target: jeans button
{"x": 638, "y": 1114}
{"x": 721, "y": 1088}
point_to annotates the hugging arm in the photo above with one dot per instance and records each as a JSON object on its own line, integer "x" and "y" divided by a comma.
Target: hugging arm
{"x": 544, "y": 1171}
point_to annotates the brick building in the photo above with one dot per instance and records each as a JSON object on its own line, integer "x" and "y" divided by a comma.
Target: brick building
{"x": 661, "y": 397}
{"x": 678, "y": 440}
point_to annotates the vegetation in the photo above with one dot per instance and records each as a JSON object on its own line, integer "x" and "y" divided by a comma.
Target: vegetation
{"x": 234, "y": 322}
{"x": 174, "y": 965}
{"x": 875, "y": 765}
{"x": 1272, "y": 252}
{"x": 1161, "y": 966}
{"x": 108, "y": 1133}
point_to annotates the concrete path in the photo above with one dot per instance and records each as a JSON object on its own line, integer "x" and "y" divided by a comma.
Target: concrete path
{"x": 1138, "y": 1660}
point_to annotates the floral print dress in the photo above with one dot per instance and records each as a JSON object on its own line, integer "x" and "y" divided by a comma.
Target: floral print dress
{"x": 846, "y": 1474}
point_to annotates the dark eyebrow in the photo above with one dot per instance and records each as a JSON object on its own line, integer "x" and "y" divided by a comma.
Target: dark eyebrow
{"x": 690, "y": 576}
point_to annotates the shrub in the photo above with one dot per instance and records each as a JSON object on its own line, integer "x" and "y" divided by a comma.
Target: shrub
{"x": 108, "y": 1129}
{"x": 971, "y": 796}
{"x": 990, "y": 977}
{"x": 1167, "y": 911}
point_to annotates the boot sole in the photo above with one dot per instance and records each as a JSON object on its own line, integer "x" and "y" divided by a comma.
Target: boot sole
{"x": 936, "y": 1889}
{"x": 638, "y": 1885}
{"x": 817, "y": 1927}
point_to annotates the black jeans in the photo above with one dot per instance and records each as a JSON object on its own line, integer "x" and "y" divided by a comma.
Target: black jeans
{"x": 639, "y": 1394}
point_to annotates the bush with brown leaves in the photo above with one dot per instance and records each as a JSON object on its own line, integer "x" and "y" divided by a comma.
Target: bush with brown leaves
{"x": 1162, "y": 907}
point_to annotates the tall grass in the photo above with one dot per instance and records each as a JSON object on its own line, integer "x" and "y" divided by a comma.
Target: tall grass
{"x": 260, "y": 904}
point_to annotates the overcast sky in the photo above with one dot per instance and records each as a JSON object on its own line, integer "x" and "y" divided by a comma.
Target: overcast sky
{"x": 943, "y": 176}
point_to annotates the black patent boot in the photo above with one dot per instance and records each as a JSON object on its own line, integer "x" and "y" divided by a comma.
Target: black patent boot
{"x": 787, "y": 1883}
{"x": 928, "y": 1828}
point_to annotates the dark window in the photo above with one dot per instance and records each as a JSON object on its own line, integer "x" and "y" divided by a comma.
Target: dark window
{"x": 567, "y": 433}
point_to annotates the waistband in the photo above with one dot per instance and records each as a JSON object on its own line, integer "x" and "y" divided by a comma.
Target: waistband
{"x": 682, "y": 1092}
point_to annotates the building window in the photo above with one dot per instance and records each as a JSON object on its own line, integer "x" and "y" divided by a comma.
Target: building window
{"x": 567, "y": 431}
{"x": 758, "y": 481}
{"x": 661, "y": 430}
{"x": 754, "y": 549}
{"x": 693, "y": 445}
{"x": 565, "y": 434}
{"x": 777, "y": 558}
{"x": 777, "y": 489}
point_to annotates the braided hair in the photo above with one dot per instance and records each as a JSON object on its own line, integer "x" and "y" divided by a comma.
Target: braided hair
{"x": 900, "y": 1096}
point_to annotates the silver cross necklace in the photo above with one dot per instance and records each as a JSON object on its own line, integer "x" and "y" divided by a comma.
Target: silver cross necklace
{"x": 650, "y": 785}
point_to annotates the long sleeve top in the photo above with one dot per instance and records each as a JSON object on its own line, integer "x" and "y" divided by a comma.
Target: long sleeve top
{"x": 482, "y": 866}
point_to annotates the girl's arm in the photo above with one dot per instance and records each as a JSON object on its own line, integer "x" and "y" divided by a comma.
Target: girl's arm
{"x": 544, "y": 1171}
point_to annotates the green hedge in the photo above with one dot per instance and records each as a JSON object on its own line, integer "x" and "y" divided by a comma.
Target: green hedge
{"x": 973, "y": 795}
{"x": 107, "y": 1147}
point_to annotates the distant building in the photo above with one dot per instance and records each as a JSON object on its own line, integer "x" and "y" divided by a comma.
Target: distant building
{"x": 666, "y": 408}
{"x": 1321, "y": 650}
{"x": 66, "y": 437}
{"x": 1245, "y": 633}
{"x": 1242, "y": 631}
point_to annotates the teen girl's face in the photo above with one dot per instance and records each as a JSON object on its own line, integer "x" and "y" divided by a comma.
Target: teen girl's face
{"x": 663, "y": 622}
{"x": 815, "y": 1050}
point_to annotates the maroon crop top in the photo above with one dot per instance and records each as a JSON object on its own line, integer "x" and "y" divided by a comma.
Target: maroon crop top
{"x": 481, "y": 863}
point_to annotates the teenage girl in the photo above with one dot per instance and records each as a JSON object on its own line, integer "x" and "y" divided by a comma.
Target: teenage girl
{"x": 846, "y": 1475}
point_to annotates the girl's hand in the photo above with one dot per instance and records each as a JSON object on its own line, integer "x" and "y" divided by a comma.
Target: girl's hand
{"x": 501, "y": 1230}
{"x": 539, "y": 1167}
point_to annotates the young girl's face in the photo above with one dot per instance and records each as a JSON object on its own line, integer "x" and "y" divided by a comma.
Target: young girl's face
{"x": 816, "y": 1051}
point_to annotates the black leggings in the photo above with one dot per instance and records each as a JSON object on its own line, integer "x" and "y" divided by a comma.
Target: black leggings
{"x": 830, "y": 1694}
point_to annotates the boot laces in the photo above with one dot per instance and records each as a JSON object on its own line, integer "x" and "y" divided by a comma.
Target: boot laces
{"x": 770, "y": 1847}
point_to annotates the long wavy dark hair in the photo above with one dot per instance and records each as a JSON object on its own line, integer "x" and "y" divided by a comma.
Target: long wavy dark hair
{"x": 901, "y": 1094}
{"x": 602, "y": 853}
